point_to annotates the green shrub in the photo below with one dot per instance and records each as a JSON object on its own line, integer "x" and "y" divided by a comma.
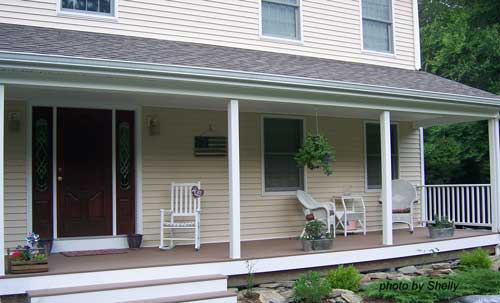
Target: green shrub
{"x": 311, "y": 288}
{"x": 313, "y": 230}
{"x": 470, "y": 282}
{"x": 477, "y": 258}
{"x": 442, "y": 223}
{"x": 344, "y": 277}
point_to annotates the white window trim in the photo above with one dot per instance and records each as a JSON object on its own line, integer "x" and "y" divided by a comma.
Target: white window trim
{"x": 81, "y": 14}
{"x": 283, "y": 40}
{"x": 392, "y": 53}
{"x": 262, "y": 161}
{"x": 365, "y": 156}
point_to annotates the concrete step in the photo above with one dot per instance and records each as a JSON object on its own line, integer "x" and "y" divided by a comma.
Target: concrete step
{"x": 130, "y": 291}
{"x": 211, "y": 297}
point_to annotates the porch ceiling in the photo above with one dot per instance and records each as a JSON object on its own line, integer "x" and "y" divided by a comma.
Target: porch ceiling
{"x": 70, "y": 97}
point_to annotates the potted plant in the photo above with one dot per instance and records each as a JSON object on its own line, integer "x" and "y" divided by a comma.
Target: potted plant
{"x": 28, "y": 258}
{"x": 46, "y": 243}
{"x": 441, "y": 228}
{"x": 316, "y": 153}
{"x": 314, "y": 238}
{"x": 134, "y": 241}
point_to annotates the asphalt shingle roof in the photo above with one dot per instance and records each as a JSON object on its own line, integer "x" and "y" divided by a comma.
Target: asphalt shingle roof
{"x": 50, "y": 41}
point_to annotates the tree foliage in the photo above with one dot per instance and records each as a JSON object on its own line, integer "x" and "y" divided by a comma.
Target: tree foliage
{"x": 461, "y": 41}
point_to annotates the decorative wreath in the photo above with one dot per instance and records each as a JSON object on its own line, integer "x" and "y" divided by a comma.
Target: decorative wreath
{"x": 197, "y": 192}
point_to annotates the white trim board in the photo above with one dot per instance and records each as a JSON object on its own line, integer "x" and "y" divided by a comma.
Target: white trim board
{"x": 90, "y": 243}
{"x": 12, "y": 62}
{"x": 17, "y": 285}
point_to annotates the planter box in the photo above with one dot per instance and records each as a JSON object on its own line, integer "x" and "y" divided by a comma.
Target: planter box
{"x": 323, "y": 244}
{"x": 26, "y": 267}
{"x": 436, "y": 233}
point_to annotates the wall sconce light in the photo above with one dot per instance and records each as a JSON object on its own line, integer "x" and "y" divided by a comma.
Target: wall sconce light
{"x": 14, "y": 121}
{"x": 153, "y": 125}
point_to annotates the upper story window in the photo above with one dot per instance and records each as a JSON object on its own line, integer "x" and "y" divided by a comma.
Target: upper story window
{"x": 281, "y": 19}
{"x": 282, "y": 140}
{"x": 373, "y": 155}
{"x": 99, "y": 7}
{"x": 377, "y": 25}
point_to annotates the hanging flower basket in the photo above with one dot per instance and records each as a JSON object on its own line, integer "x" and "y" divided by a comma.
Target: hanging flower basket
{"x": 316, "y": 153}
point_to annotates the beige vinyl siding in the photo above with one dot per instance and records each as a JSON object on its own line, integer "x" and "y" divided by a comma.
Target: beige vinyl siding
{"x": 169, "y": 157}
{"x": 331, "y": 29}
{"x": 15, "y": 177}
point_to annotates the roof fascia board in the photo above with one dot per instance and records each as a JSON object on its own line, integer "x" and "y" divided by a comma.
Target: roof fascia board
{"x": 68, "y": 64}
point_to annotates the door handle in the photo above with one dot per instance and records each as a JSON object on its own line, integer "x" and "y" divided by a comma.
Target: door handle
{"x": 59, "y": 178}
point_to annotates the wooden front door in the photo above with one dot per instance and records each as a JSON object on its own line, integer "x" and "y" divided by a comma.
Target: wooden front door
{"x": 84, "y": 172}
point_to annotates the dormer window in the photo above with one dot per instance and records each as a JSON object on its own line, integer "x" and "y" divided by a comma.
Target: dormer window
{"x": 98, "y": 7}
{"x": 377, "y": 25}
{"x": 281, "y": 19}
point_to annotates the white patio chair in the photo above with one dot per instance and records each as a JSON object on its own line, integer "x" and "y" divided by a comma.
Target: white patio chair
{"x": 183, "y": 206}
{"x": 404, "y": 195}
{"x": 324, "y": 212}
{"x": 353, "y": 209}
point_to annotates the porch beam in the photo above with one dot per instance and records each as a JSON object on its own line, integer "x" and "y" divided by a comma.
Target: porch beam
{"x": 234, "y": 178}
{"x": 385, "y": 144}
{"x": 494, "y": 146}
{"x": 2, "y": 138}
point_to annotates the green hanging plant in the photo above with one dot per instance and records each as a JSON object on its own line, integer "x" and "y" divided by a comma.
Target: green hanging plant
{"x": 316, "y": 153}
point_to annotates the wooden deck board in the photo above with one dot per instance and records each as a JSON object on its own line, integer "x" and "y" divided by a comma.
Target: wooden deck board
{"x": 151, "y": 257}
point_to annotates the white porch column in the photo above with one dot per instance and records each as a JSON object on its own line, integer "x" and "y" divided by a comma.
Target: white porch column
{"x": 385, "y": 146}
{"x": 234, "y": 178}
{"x": 494, "y": 144}
{"x": 2, "y": 138}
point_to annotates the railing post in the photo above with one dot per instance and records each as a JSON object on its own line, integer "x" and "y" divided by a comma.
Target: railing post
{"x": 234, "y": 179}
{"x": 385, "y": 143}
{"x": 494, "y": 146}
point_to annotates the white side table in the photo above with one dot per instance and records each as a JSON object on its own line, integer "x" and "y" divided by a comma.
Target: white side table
{"x": 353, "y": 209}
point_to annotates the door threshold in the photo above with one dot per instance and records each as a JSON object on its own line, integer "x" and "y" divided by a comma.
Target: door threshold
{"x": 89, "y": 243}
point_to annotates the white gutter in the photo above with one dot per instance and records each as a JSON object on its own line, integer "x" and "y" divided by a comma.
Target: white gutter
{"x": 39, "y": 60}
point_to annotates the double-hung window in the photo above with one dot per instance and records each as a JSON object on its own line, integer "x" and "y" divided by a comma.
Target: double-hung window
{"x": 373, "y": 155}
{"x": 98, "y": 7}
{"x": 281, "y": 19}
{"x": 282, "y": 140}
{"x": 377, "y": 25}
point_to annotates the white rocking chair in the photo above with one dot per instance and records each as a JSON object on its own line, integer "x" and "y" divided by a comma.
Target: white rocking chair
{"x": 183, "y": 205}
{"x": 324, "y": 212}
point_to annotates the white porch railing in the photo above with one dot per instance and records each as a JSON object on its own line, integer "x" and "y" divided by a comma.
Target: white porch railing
{"x": 465, "y": 204}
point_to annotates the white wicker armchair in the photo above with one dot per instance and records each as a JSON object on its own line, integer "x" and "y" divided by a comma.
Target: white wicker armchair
{"x": 324, "y": 212}
{"x": 404, "y": 195}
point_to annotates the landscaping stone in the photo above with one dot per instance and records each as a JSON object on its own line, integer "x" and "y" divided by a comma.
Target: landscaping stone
{"x": 270, "y": 285}
{"x": 288, "y": 294}
{"x": 270, "y": 296}
{"x": 287, "y": 284}
{"x": 377, "y": 275}
{"x": 495, "y": 265}
{"x": 347, "y": 296}
{"x": 477, "y": 299}
{"x": 408, "y": 270}
{"x": 282, "y": 291}
{"x": 443, "y": 265}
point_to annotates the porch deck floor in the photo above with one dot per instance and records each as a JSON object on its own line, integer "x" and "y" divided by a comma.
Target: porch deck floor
{"x": 216, "y": 252}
